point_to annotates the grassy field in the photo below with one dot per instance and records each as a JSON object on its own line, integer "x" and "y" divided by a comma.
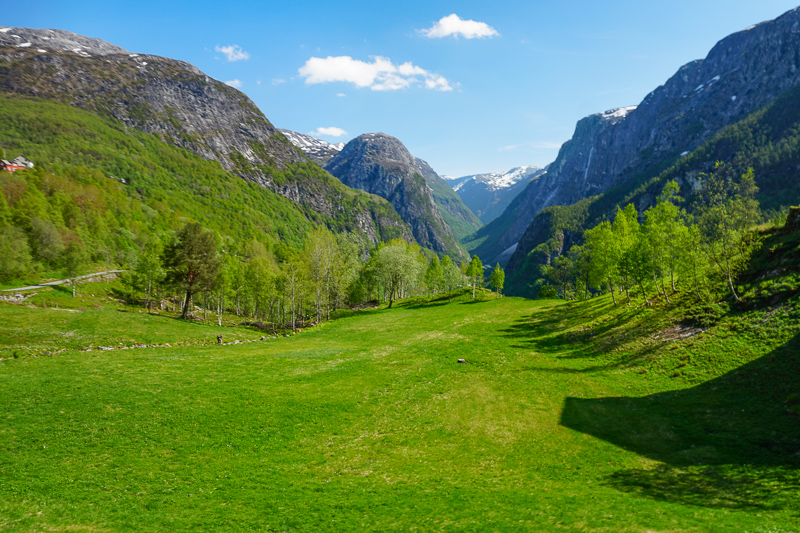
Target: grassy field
{"x": 565, "y": 417}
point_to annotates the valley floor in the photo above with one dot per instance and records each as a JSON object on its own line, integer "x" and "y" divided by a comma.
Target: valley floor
{"x": 557, "y": 421}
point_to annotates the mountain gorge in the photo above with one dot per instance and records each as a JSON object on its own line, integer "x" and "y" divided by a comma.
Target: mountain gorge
{"x": 488, "y": 195}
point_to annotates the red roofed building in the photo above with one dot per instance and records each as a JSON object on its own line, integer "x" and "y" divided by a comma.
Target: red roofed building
{"x": 20, "y": 162}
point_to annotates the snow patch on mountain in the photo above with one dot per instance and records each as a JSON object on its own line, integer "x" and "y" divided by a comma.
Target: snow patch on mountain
{"x": 317, "y": 149}
{"x": 620, "y": 112}
{"x": 496, "y": 181}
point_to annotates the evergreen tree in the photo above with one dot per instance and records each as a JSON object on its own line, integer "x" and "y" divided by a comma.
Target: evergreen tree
{"x": 192, "y": 262}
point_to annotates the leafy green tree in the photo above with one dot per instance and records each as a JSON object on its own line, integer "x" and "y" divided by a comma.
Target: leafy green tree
{"x": 497, "y": 279}
{"x": 15, "y": 254}
{"x": 603, "y": 267}
{"x": 452, "y": 278}
{"x": 150, "y": 272}
{"x": 192, "y": 262}
{"x": 692, "y": 263}
{"x": 726, "y": 213}
{"x": 46, "y": 241}
{"x": 626, "y": 229}
{"x": 475, "y": 272}
{"x": 74, "y": 259}
{"x": 320, "y": 255}
{"x": 396, "y": 264}
{"x": 433, "y": 275}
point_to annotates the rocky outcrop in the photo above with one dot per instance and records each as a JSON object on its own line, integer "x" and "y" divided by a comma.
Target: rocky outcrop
{"x": 179, "y": 104}
{"x": 382, "y": 165}
{"x": 741, "y": 74}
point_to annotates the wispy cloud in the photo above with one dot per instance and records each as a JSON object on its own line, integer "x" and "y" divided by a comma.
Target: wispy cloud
{"x": 232, "y": 52}
{"x": 234, "y": 83}
{"x": 379, "y": 75}
{"x": 455, "y": 26}
{"x": 278, "y": 81}
{"x": 329, "y": 132}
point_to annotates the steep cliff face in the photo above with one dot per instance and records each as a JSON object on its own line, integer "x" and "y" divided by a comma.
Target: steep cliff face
{"x": 178, "y": 103}
{"x": 742, "y": 73}
{"x": 736, "y": 105}
{"x": 565, "y": 181}
{"x": 382, "y": 165}
{"x": 453, "y": 210}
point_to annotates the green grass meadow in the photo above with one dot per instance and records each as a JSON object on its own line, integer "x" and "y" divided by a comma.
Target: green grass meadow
{"x": 565, "y": 417}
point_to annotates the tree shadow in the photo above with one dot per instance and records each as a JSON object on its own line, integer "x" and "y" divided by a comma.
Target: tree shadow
{"x": 549, "y": 331}
{"x": 729, "y": 442}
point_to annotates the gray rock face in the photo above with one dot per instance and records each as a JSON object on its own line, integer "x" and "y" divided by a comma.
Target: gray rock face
{"x": 178, "y": 103}
{"x": 382, "y": 165}
{"x": 57, "y": 40}
{"x": 742, "y": 73}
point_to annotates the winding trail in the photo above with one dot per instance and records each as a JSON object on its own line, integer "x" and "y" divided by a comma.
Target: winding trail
{"x": 62, "y": 281}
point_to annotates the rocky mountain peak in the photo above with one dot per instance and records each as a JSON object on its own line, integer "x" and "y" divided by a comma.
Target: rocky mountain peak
{"x": 381, "y": 164}
{"x": 57, "y": 40}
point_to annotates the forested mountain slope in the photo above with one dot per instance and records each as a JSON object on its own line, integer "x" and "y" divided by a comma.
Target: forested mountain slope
{"x": 111, "y": 192}
{"x": 181, "y": 106}
{"x": 742, "y": 73}
{"x": 767, "y": 140}
{"x": 458, "y": 216}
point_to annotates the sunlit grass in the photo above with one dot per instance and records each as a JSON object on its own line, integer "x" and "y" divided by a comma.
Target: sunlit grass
{"x": 369, "y": 423}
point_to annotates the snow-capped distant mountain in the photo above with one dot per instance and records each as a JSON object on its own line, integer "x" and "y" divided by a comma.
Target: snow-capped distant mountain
{"x": 318, "y": 150}
{"x": 487, "y": 195}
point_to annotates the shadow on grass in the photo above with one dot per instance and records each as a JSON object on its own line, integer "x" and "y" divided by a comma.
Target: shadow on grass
{"x": 729, "y": 442}
{"x": 550, "y": 331}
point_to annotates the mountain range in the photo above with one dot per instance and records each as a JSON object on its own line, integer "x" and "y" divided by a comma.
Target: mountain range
{"x": 488, "y": 195}
{"x": 374, "y": 186}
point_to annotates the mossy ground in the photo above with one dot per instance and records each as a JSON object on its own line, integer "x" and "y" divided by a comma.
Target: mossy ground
{"x": 571, "y": 417}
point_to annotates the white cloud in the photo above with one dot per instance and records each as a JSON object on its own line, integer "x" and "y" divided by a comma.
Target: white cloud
{"x": 232, "y": 52}
{"x": 278, "y": 81}
{"x": 329, "y": 132}
{"x": 379, "y": 75}
{"x": 454, "y": 26}
{"x": 341, "y": 95}
{"x": 234, "y": 83}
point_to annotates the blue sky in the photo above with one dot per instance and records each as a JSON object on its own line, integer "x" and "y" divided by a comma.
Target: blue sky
{"x": 469, "y": 86}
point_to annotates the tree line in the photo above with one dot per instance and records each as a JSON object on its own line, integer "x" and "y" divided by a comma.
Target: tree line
{"x": 702, "y": 250}
{"x": 287, "y": 287}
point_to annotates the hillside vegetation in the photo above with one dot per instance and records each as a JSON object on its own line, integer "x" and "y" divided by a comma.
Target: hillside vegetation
{"x": 768, "y": 141}
{"x": 74, "y": 193}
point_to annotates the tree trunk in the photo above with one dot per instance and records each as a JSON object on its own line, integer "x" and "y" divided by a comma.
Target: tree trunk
{"x": 611, "y": 286}
{"x": 186, "y": 303}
